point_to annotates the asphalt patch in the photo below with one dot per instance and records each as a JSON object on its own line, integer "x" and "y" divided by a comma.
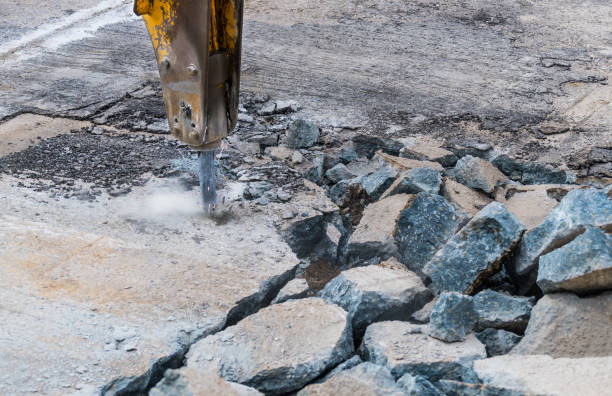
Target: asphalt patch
{"x": 83, "y": 164}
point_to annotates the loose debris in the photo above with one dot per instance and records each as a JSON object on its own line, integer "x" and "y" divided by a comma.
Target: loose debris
{"x": 381, "y": 225}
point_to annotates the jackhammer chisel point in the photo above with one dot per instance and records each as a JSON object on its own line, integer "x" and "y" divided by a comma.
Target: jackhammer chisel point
{"x": 208, "y": 189}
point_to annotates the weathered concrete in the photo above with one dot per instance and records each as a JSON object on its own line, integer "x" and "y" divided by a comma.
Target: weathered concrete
{"x": 463, "y": 197}
{"x": 373, "y": 294}
{"x": 119, "y": 283}
{"x": 578, "y": 209}
{"x": 366, "y": 379}
{"x": 475, "y": 252}
{"x": 539, "y": 374}
{"x": 564, "y": 325}
{"x": 423, "y": 228}
{"x": 293, "y": 290}
{"x": 452, "y": 317}
{"x": 406, "y": 348}
{"x": 280, "y": 348}
{"x": 582, "y": 266}
{"x": 478, "y": 174}
{"x": 190, "y": 382}
{"x": 373, "y": 240}
{"x": 502, "y": 311}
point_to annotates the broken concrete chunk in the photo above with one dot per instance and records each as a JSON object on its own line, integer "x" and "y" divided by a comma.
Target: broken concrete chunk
{"x": 415, "y": 181}
{"x": 478, "y": 173}
{"x": 463, "y": 197}
{"x": 452, "y": 317}
{"x": 366, "y": 145}
{"x": 422, "y": 315}
{"x": 423, "y": 228}
{"x": 405, "y": 348}
{"x": 564, "y": 325}
{"x": 502, "y": 311}
{"x": 376, "y": 183}
{"x": 279, "y": 349}
{"x": 364, "y": 379}
{"x": 315, "y": 172}
{"x": 279, "y": 153}
{"x": 404, "y": 164}
{"x": 462, "y": 148}
{"x": 190, "y": 382}
{"x": 531, "y": 207}
{"x": 457, "y": 388}
{"x": 302, "y": 134}
{"x": 429, "y": 153}
{"x": 286, "y": 106}
{"x": 579, "y": 208}
{"x": 339, "y": 172}
{"x": 242, "y": 117}
{"x": 373, "y": 241}
{"x": 582, "y": 266}
{"x": 475, "y": 252}
{"x": 346, "y": 365}
{"x": 498, "y": 342}
{"x": 544, "y": 375}
{"x": 417, "y": 386}
{"x": 528, "y": 172}
{"x": 268, "y": 108}
{"x": 372, "y": 294}
{"x": 293, "y": 290}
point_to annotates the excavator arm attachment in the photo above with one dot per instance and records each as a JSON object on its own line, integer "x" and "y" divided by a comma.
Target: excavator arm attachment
{"x": 198, "y": 45}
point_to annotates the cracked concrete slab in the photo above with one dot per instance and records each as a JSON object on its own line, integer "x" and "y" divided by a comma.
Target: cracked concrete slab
{"x": 93, "y": 291}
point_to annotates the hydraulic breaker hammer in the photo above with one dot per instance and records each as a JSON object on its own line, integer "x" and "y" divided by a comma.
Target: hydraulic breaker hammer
{"x": 198, "y": 46}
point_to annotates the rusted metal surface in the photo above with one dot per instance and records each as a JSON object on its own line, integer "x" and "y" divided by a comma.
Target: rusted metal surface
{"x": 198, "y": 46}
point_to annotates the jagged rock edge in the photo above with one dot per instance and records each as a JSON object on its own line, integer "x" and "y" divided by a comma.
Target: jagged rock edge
{"x": 141, "y": 384}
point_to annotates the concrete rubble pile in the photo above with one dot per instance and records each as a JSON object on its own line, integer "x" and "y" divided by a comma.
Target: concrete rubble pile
{"x": 416, "y": 269}
{"x": 450, "y": 270}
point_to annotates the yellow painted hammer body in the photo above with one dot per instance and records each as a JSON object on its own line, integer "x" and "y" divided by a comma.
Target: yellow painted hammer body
{"x": 198, "y": 45}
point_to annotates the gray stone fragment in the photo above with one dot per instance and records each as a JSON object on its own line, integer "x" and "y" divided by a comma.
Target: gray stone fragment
{"x": 286, "y": 106}
{"x": 532, "y": 172}
{"x": 544, "y": 375}
{"x": 190, "y": 382}
{"x": 293, "y": 290}
{"x": 475, "y": 252}
{"x": 366, "y": 145}
{"x": 302, "y": 134}
{"x": 430, "y": 153}
{"x": 414, "y": 181}
{"x": 245, "y": 118}
{"x": 373, "y": 241}
{"x": 478, "y": 173}
{"x": 452, "y": 317}
{"x": 417, "y": 386}
{"x": 457, "y": 388}
{"x": 376, "y": 183}
{"x": 502, "y": 311}
{"x": 564, "y": 325}
{"x": 498, "y": 342}
{"x": 578, "y": 209}
{"x": 339, "y": 172}
{"x": 404, "y": 348}
{"x": 462, "y": 148}
{"x": 422, "y": 315}
{"x": 257, "y": 189}
{"x": 373, "y": 293}
{"x": 423, "y": 228}
{"x": 464, "y": 198}
{"x": 279, "y": 349}
{"x": 267, "y": 109}
{"x": 348, "y": 154}
{"x": 364, "y": 379}
{"x": 315, "y": 172}
{"x": 582, "y": 266}
{"x": 346, "y": 365}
